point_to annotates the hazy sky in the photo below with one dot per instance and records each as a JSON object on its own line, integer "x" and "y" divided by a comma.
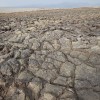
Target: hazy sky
{"x": 49, "y": 3}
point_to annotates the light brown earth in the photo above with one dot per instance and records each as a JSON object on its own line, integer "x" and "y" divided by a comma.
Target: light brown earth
{"x": 50, "y": 55}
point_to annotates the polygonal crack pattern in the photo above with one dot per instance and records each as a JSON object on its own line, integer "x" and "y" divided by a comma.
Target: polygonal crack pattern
{"x": 50, "y": 57}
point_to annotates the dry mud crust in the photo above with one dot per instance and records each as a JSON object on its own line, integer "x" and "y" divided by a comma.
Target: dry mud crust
{"x": 50, "y": 55}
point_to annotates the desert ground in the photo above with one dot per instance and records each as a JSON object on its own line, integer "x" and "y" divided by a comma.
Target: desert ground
{"x": 50, "y": 54}
{"x": 15, "y": 9}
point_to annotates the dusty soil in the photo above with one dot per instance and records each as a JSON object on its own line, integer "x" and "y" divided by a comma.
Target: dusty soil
{"x": 50, "y": 55}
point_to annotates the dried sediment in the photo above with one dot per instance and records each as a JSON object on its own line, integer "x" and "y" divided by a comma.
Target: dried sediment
{"x": 50, "y": 55}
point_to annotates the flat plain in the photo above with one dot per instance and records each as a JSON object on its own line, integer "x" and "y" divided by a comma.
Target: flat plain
{"x": 50, "y": 54}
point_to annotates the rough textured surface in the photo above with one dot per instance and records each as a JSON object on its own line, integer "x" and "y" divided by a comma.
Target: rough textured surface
{"x": 50, "y": 55}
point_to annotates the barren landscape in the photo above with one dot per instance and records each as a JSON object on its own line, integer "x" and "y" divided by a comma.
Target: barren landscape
{"x": 50, "y": 55}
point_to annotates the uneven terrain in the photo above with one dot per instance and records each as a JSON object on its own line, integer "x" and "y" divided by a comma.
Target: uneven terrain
{"x": 50, "y": 55}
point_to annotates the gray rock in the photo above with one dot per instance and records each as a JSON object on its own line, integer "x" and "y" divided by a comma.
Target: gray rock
{"x": 6, "y": 69}
{"x": 52, "y": 35}
{"x": 17, "y": 54}
{"x": 18, "y": 38}
{"x": 67, "y": 69}
{"x": 25, "y": 76}
{"x": 56, "y": 45}
{"x": 65, "y": 44}
{"x": 35, "y": 43}
{"x": 74, "y": 60}
{"x": 47, "y": 46}
{"x": 75, "y": 53}
{"x": 35, "y": 86}
{"x": 48, "y": 96}
{"x": 61, "y": 81}
{"x": 84, "y": 56}
{"x": 85, "y": 72}
{"x": 68, "y": 94}
{"x": 57, "y": 64}
{"x": 94, "y": 59}
{"x": 19, "y": 45}
{"x": 10, "y": 66}
{"x": 95, "y": 49}
{"x": 82, "y": 84}
{"x": 54, "y": 89}
{"x": 2, "y": 83}
{"x": 13, "y": 63}
{"x": 46, "y": 65}
{"x": 11, "y": 91}
{"x": 47, "y": 75}
{"x": 80, "y": 45}
{"x": 1, "y": 98}
{"x": 88, "y": 95}
{"x": 23, "y": 62}
{"x": 19, "y": 95}
{"x": 25, "y": 53}
{"x": 6, "y": 28}
{"x": 59, "y": 56}
{"x": 1, "y": 47}
{"x": 33, "y": 65}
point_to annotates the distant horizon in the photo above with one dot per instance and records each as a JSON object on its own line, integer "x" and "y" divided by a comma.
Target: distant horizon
{"x": 48, "y": 3}
{"x": 49, "y": 7}
{"x": 15, "y": 9}
{"x": 54, "y": 7}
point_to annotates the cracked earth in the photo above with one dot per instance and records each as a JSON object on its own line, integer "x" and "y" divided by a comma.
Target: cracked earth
{"x": 50, "y": 55}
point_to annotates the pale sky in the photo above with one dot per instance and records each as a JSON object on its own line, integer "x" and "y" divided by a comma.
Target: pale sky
{"x": 49, "y": 3}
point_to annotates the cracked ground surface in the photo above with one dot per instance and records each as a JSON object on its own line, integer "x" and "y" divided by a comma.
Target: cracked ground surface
{"x": 50, "y": 55}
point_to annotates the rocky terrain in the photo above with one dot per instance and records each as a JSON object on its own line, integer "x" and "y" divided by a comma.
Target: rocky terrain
{"x": 50, "y": 55}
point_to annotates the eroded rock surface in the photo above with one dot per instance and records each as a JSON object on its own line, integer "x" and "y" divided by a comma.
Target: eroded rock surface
{"x": 50, "y": 55}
